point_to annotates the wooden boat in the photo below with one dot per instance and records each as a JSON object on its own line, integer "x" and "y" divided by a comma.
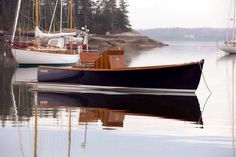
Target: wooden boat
{"x": 109, "y": 71}
{"x": 57, "y": 48}
{"x": 44, "y": 57}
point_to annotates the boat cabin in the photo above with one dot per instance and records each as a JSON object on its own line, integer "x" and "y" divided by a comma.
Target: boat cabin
{"x": 109, "y": 59}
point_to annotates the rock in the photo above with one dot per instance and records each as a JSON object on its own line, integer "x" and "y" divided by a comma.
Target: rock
{"x": 108, "y": 33}
{"x": 128, "y": 41}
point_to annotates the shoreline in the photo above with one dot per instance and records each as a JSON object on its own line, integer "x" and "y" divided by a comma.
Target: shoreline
{"x": 129, "y": 41}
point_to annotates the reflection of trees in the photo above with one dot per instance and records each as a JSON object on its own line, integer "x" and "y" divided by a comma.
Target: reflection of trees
{"x": 24, "y": 100}
{"x": 22, "y": 97}
{"x": 7, "y": 67}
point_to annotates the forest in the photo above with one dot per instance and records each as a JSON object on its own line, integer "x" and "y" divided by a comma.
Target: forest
{"x": 100, "y": 16}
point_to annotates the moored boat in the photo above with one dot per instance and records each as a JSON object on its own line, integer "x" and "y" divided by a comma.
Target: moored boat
{"x": 229, "y": 46}
{"x": 44, "y": 57}
{"x": 173, "y": 78}
{"x": 61, "y": 48}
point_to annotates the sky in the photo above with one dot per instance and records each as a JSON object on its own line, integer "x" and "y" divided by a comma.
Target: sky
{"x": 145, "y": 14}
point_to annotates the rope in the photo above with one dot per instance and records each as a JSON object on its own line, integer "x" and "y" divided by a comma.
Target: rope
{"x": 204, "y": 79}
{"x": 204, "y": 106}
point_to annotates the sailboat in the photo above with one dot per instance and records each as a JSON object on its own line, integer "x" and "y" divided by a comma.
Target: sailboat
{"x": 229, "y": 45}
{"x": 60, "y": 48}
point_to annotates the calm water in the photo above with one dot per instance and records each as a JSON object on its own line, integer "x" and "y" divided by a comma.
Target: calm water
{"x": 45, "y": 124}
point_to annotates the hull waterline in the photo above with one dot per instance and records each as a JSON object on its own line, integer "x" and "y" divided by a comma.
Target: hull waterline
{"x": 26, "y": 57}
{"x": 227, "y": 48}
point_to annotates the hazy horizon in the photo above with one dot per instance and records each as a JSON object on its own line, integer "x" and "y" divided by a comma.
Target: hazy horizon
{"x": 183, "y": 28}
{"x": 185, "y": 34}
{"x": 181, "y": 13}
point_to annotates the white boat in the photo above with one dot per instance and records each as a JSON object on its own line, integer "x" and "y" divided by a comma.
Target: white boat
{"x": 229, "y": 46}
{"x": 226, "y": 47}
{"x": 60, "y": 48}
{"x": 30, "y": 57}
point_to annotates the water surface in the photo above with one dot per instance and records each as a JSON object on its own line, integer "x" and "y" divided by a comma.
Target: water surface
{"x": 120, "y": 124}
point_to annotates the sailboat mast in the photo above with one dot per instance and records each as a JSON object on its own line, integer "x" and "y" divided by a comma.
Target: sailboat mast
{"x": 234, "y": 20}
{"x": 16, "y": 20}
{"x": 70, "y": 15}
{"x": 61, "y": 18}
{"x": 36, "y": 18}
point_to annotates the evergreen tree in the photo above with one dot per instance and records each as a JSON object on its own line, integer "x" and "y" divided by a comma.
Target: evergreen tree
{"x": 100, "y": 16}
{"x": 112, "y": 9}
{"x": 123, "y": 17}
{"x": 100, "y": 19}
{"x": 76, "y": 16}
{"x": 85, "y": 13}
{"x": 7, "y": 14}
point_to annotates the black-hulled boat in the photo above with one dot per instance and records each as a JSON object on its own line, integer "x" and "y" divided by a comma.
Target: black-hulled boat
{"x": 167, "y": 106}
{"x": 107, "y": 72}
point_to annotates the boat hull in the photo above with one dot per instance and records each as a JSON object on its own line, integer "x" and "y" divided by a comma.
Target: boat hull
{"x": 27, "y": 57}
{"x": 227, "y": 48}
{"x": 175, "y": 77}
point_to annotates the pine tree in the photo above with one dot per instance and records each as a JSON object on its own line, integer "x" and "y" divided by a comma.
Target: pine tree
{"x": 100, "y": 20}
{"x": 85, "y": 13}
{"x": 7, "y": 14}
{"x": 76, "y": 11}
{"x": 123, "y": 17}
{"x": 112, "y": 9}
{"x": 100, "y": 16}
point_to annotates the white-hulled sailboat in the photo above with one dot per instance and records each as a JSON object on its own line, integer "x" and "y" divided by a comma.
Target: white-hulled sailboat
{"x": 59, "y": 49}
{"x": 229, "y": 45}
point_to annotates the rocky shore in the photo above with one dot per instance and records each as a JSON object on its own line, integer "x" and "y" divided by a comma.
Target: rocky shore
{"x": 129, "y": 41}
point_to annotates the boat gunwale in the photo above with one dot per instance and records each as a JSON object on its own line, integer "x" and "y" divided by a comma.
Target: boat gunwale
{"x": 74, "y": 68}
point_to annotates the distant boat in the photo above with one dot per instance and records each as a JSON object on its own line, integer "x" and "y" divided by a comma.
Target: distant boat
{"x": 46, "y": 49}
{"x": 108, "y": 72}
{"x": 229, "y": 45}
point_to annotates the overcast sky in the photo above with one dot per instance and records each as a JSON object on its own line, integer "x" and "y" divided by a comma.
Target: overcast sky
{"x": 178, "y": 13}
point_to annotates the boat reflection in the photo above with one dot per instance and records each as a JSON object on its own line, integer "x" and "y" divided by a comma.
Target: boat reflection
{"x": 25, "y": 75}
{"x": 112, "y": 108}
{"x": 229, "y": 62}
{"x": 227, "y": 58}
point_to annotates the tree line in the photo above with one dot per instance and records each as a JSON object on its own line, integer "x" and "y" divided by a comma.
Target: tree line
{"x": 100, "y": 16}
{"x": 186, "y": 34}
